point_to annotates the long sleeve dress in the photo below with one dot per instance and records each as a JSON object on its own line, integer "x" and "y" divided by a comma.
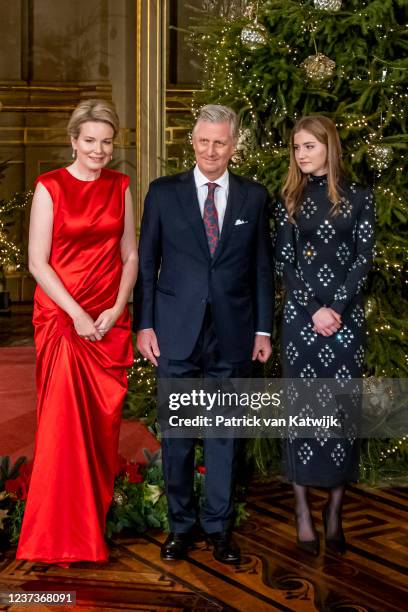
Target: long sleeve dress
{"x": 323, "y": 261}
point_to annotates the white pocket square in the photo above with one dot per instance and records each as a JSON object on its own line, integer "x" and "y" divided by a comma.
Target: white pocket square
{"x": 240, "y": 222}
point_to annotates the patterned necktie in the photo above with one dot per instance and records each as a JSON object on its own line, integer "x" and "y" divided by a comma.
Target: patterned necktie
{"x": 210, "y": 219}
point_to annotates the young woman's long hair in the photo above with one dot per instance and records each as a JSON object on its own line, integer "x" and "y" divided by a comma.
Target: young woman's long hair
{"x": 324, "y": 130}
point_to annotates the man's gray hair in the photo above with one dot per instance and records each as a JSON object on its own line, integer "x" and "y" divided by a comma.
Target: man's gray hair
{"x": 215, "y": 113}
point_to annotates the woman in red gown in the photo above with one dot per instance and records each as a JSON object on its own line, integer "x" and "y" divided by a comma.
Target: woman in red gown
{"x": 82, "y": 253}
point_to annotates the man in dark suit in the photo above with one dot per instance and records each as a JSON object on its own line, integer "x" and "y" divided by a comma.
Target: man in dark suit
{"x": 203, "y": 306}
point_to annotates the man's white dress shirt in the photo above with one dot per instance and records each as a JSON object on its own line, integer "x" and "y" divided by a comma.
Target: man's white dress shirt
{"x": 220, "y": 194}
{"x": 220, "y": 200}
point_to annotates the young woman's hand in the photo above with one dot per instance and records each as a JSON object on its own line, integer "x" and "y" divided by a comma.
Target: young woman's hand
{"x": 326, "y": 321}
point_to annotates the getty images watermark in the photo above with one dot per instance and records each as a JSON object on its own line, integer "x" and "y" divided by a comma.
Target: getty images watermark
{"x": 220, "y": 400}
{"x": 284, "y": 408}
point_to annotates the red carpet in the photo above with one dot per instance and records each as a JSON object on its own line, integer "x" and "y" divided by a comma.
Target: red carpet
{"x": 18, "y": 410}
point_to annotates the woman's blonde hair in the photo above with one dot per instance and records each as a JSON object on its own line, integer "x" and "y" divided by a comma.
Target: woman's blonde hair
{"x": 324, "y": 130}
{"x": 92, "y": 110}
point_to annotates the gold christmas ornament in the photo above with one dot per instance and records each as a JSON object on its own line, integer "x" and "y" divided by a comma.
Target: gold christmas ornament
{"x": 253, "y": 36}
{"x": 119, "y": 497}
{"x": 3, "y": 515}
{"x": 377, "y": 397}
{"x": 230, "y": 9}
{"x": 328, "y": 5}
{"x": 318, "y": 67}
{"x": 380, "y": 156}
{"x": 246, "y": 142}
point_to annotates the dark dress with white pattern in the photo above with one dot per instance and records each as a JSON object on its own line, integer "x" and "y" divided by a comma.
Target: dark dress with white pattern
{"x": 324, "y": 260}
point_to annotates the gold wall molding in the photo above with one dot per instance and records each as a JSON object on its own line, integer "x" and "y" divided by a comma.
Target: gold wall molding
{"x": 176, "y": 135}
{"x": 47, "y": 97}
{"x": 179, "y": 99}
{"x": 34, "y": 113}
{"x": 150, "y": 95}
{"x": 178, "y": 123}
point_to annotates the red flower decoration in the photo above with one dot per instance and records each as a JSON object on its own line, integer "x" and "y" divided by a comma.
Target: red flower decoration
{"x": 133, "y": 472}
{"x": 201, "y": 469}
{"x": 19, "y": 486}
{"x": 131, "y": 469}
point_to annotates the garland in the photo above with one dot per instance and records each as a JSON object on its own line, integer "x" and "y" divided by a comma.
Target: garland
{"x": 139, "y": 501}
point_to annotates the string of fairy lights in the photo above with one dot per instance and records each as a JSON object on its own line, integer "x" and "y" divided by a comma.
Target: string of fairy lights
{"x": 141, "y": 377}
{"x": 140, "y": 373}
{"x": 228, "y": 69}
{"x": 10, "y": 253}
{"x": 228, "y": 59}
{"x": 396, "y": 448}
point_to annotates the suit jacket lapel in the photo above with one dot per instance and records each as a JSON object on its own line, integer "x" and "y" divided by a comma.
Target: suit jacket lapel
{"x": 236, "y": 199}
{"x": 187, "y": 195}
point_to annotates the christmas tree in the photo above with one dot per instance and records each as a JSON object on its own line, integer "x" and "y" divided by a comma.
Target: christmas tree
{"x": 11, "y": 256}
{"x": 273, "y": 61}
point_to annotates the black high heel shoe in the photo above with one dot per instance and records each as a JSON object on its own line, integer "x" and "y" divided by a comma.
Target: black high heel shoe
{"x": 311, "y": 547}
{"x": 336, "y": 544}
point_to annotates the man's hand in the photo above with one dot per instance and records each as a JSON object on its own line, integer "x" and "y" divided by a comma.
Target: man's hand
{"x": 147, "y": 345}
{"x": 262, "y": 348}
{"x": 326, "y": 321}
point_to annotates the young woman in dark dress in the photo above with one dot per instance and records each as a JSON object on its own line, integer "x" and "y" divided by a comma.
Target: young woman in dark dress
{"x": 324, "y": 250}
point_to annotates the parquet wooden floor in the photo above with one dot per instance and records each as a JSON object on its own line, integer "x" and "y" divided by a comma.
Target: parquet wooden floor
{"x": 273, "y": 575}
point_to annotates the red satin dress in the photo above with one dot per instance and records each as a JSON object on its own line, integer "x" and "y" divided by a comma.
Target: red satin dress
{"x": 81, "y": 384}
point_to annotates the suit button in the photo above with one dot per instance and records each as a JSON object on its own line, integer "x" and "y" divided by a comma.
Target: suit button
{"x": 203, "y": 300}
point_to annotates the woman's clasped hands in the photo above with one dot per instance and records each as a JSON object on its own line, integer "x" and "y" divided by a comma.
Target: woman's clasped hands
{"x": 326, "y": 321}
{"x": 92, "y": 330}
